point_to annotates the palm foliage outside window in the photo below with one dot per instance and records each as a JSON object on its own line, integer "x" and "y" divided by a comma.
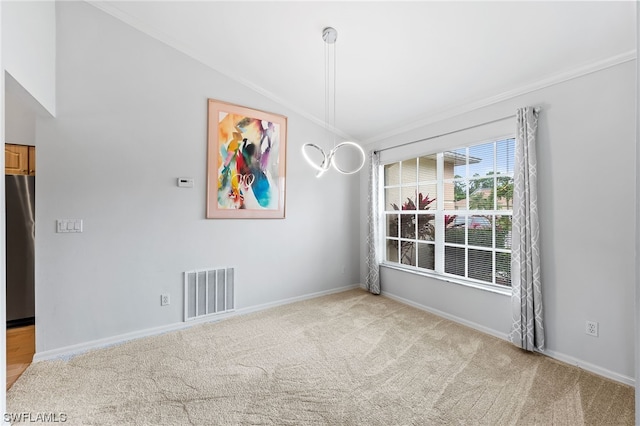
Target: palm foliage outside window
{"x": 450, "y": 212}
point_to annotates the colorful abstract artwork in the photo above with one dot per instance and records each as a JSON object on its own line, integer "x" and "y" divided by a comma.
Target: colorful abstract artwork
{"x": 246, "y": 162}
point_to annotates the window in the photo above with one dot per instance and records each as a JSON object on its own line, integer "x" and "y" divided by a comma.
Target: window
{"x": 450, "y": 212}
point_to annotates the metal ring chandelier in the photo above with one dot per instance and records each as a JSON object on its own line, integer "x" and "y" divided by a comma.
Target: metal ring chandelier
{"x": 328, "y": 158}
{"x": 330, "y": 35}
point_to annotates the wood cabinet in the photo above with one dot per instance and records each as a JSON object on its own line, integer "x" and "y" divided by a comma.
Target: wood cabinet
{"x": 32, "y": 161}
{"x": 19, "y": 160}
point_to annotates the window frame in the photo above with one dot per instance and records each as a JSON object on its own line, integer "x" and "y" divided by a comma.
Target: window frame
{"x": 438, "y": 242}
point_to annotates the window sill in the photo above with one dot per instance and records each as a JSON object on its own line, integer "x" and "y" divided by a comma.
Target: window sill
{"x": 505, "y": 291}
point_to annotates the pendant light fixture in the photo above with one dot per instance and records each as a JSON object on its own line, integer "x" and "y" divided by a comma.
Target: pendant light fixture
{"x": 330, "y": 35}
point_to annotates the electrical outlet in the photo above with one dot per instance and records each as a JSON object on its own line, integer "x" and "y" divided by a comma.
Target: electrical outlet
{"x": 165, "y": 299}
{"x": 592, "y": 328}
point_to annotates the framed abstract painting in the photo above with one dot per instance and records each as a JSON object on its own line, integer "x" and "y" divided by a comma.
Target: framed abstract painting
{"x": 246, "y": 162}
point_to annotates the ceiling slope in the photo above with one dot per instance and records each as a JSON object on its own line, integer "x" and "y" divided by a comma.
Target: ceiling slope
{"x": 400, "y": 65}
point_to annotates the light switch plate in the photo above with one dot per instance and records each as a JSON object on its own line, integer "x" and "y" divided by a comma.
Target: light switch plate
{"x": 69, "y": 225}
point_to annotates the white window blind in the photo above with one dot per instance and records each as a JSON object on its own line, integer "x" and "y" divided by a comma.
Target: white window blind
{"x": 449, "y": 212}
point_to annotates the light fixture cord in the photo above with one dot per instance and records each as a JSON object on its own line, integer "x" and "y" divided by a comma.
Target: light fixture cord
{"x": 334, "y": 95}
{"x": 326, "y": 88}
{"x": 330, "y": 90}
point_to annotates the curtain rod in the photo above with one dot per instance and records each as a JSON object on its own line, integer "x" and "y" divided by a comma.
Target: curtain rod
{"x": 445, "y": 134}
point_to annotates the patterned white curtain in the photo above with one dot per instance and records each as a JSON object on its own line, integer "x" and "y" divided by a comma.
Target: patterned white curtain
{"x": 373, "y": 232}
{"x": 527, "y": 331}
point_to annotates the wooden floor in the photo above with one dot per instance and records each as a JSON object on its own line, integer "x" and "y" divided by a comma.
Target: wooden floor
{"x": 20, "y": 349}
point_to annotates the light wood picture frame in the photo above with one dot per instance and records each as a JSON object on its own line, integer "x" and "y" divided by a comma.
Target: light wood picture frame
{"x": 246, "y": 162}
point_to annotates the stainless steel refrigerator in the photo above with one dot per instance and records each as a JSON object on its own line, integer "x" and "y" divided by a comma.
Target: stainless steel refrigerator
{"x": 20, "y": 220}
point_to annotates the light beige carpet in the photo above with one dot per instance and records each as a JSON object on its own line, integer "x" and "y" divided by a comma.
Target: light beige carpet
{"x": 345, "y": 359}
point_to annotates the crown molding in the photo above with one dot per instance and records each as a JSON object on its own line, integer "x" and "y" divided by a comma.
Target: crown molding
{"x": 467, "y": 107}
{"x": 155, "y": 33}
{"x": 427, "y": 119}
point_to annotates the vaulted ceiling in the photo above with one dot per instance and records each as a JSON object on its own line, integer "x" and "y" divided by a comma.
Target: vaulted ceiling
{"x": 399, "y": 64}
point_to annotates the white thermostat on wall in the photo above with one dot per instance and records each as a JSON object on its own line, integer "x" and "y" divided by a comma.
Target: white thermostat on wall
{"x": 185, "y": 182}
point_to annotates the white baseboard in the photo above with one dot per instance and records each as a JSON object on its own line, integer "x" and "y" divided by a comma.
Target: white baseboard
{"x": 73, "y": 350}
{"x": 448, "y": 316}
{"x": 592, "y": 368}
{"x": 264, "y": 306}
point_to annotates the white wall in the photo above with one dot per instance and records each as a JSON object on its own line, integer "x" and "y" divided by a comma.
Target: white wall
{"x": 587, "y": 190}
{"x": 21, "y": 110}
{"x": 637, "y": 221}
{"x": 29, "y": 34}
{"x": 131, "y": 118}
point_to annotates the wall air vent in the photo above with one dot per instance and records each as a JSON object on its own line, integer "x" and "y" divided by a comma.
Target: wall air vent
{"x": 208, "y": 292}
